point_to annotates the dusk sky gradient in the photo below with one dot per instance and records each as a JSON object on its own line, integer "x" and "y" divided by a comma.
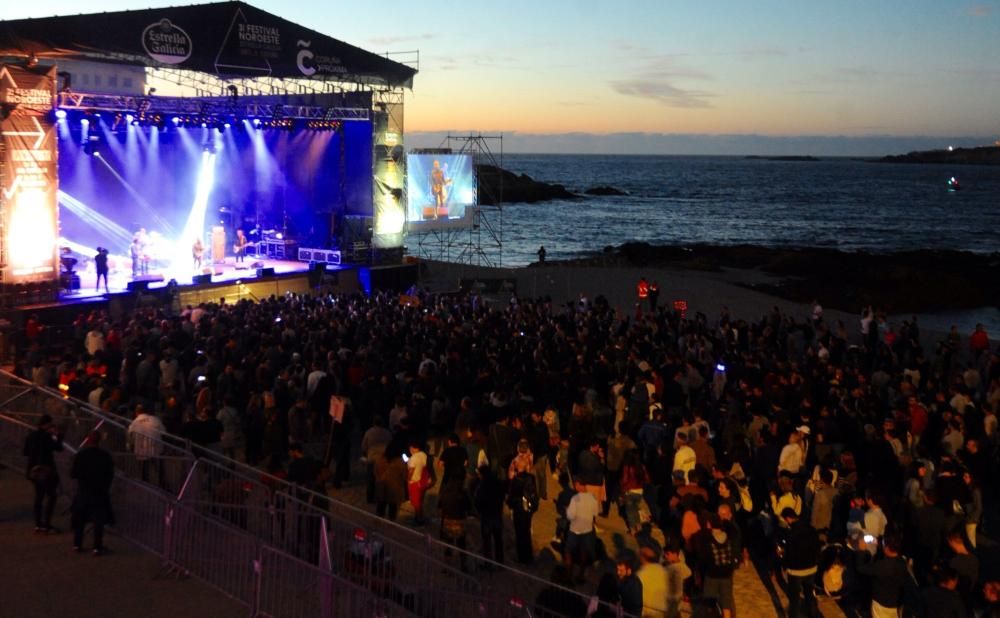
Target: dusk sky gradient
{"x": 777, "y": 69}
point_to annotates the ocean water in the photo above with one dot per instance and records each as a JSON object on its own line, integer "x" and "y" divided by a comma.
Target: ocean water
{"x": 835, "y": 203}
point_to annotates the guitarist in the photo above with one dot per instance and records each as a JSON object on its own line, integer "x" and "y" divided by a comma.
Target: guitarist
{"x": 439, "y": 189}
{"x": 240, "y": 247}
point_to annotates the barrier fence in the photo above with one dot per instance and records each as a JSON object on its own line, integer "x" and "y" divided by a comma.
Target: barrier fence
{"x": 277, "y": 548}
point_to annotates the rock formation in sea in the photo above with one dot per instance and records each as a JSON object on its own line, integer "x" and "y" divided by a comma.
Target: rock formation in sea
{"x": 516, "y": 188}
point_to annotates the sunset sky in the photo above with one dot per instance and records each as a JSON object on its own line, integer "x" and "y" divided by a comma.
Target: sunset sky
{"x": 846, "y": 68}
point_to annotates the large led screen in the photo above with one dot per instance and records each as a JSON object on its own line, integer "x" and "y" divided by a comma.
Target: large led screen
{"x": 440, "y": 190}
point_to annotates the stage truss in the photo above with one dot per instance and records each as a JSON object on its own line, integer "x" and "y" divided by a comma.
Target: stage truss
{"x": 242, "y": 107}
{"x": 481, "y": 243}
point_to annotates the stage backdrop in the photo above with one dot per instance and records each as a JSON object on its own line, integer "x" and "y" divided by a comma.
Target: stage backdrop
{"x": 29, "y": 175}
{"x": 114, "y": 181}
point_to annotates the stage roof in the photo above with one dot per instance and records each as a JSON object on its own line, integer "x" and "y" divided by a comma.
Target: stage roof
{"x": 228, "y": 39}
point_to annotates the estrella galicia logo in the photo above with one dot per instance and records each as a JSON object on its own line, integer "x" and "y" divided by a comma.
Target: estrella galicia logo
{"x": 305, "y": 54}
{"x": 166, "y": 43}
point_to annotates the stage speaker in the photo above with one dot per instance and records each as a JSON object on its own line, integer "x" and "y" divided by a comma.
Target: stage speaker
{"x": 265, "y": 272}
{"x": 199, "y": 279}
{"x": 218, "y": 244}
{"x": 138, "y": 286}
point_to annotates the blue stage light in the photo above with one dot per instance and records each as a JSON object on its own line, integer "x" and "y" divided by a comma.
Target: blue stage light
{"x": 128, "y": 117}
{"x": 60, "y": 114}
{"x": 256, "y": 122}
{"x": 175, "y": 120}
{"x": 84, "y": 122}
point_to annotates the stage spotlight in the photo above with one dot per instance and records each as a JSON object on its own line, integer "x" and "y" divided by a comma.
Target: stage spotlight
{"x": 256, "y": 122}
{"x": 84, "y": 122}
{"x": 129, "y": 117}
{"x": 175, "y": 120}
{"x": 204, "y": 125}
{"x": 60, "y": 114}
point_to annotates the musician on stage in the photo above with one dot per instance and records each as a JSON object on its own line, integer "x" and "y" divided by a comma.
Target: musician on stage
{"x": 101, "y": 265}
{"x": 240, "y": 247}
{"x": 439, "y": 189}
{"x": 144, "y": 243}
{"x": 197, "y": 252}
{"x": 135, "y": 251}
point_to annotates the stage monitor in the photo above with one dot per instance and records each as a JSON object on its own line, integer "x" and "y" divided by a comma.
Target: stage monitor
{"x": 441, "y": 191}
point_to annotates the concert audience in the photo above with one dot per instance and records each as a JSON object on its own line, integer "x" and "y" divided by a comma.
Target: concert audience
{"x": 876, "y": 443}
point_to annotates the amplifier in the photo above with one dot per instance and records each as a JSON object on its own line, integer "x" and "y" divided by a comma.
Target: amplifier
{"x": 319, "y": 256}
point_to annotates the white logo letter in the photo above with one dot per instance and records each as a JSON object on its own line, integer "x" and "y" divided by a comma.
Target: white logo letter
{"x": 304, "y": 54}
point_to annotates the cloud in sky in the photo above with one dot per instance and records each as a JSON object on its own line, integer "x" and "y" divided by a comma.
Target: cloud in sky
{"x": 394, "y": 40}
{"x": 657, "y": 78}
{"x": 660, "y": 89}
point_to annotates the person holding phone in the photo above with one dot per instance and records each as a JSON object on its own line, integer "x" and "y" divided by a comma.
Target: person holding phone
{"x": 418, "y": 480}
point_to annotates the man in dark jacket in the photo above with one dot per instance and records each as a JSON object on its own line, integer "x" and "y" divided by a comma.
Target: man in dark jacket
{"x": 93, "y": 469}
{"x": 799, "y": 558}
{"x": 40, "y": 447}
{"x": 887, "y": 575}
{"x": 488, "y": 496}
{"x": 454, "y": 504}
{"x": 522, "y": 497}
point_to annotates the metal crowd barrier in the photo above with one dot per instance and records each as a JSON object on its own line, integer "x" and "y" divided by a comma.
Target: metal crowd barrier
{"x": 246, "y": 533}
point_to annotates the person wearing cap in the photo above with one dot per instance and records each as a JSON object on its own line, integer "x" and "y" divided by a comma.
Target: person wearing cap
{"x": 94, "y": 470}
{"x": 40, "y": 447}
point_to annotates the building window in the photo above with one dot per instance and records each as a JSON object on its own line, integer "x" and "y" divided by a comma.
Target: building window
{"x": 126, "y": 82}
{"x": 112, "y": 81}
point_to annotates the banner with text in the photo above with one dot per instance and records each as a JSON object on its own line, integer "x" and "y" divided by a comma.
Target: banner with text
{"x": 30, "y": 177}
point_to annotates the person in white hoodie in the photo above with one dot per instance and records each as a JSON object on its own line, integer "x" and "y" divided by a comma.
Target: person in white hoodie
{"x": 144, "y": 438}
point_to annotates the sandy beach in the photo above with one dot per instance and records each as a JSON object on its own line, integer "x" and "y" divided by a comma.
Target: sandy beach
{"x": 707, "y": 292}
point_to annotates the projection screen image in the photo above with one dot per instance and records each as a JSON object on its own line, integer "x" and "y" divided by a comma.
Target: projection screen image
{"x": 440, "y": 190}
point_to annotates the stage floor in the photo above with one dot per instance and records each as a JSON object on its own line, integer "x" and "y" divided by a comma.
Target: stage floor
{"x": 118, "y": 280}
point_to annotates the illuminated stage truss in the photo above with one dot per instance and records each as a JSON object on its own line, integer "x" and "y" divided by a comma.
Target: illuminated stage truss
{"x": 481, "y": 242}
{"x": 242, "y": 107}
{"x": 289, "y": 77}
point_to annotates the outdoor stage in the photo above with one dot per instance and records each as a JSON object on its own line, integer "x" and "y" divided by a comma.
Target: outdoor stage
{"x": 169, "y": 132}
{"x": 226, "y": 272}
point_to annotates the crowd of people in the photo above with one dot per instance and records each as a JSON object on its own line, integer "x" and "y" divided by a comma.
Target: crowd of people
{"x": 850, "y": 460}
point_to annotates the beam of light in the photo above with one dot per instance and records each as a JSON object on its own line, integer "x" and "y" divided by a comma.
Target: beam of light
{"x": 195, "y": 225}
{"x": 89, "y": 251}
{"x": 157, "y": 220}
{"x": 106, "y": 227}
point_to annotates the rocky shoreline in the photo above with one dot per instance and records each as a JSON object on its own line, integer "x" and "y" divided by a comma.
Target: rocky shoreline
{"x": 983, "y": 155}
{"x": 901, "y": 282}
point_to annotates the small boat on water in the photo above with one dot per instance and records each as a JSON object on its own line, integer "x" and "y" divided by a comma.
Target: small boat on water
{"x": 954, "y": 185}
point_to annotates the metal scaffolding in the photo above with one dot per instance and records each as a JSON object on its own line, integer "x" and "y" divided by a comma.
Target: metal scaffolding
{"x": 481, "y": 243}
